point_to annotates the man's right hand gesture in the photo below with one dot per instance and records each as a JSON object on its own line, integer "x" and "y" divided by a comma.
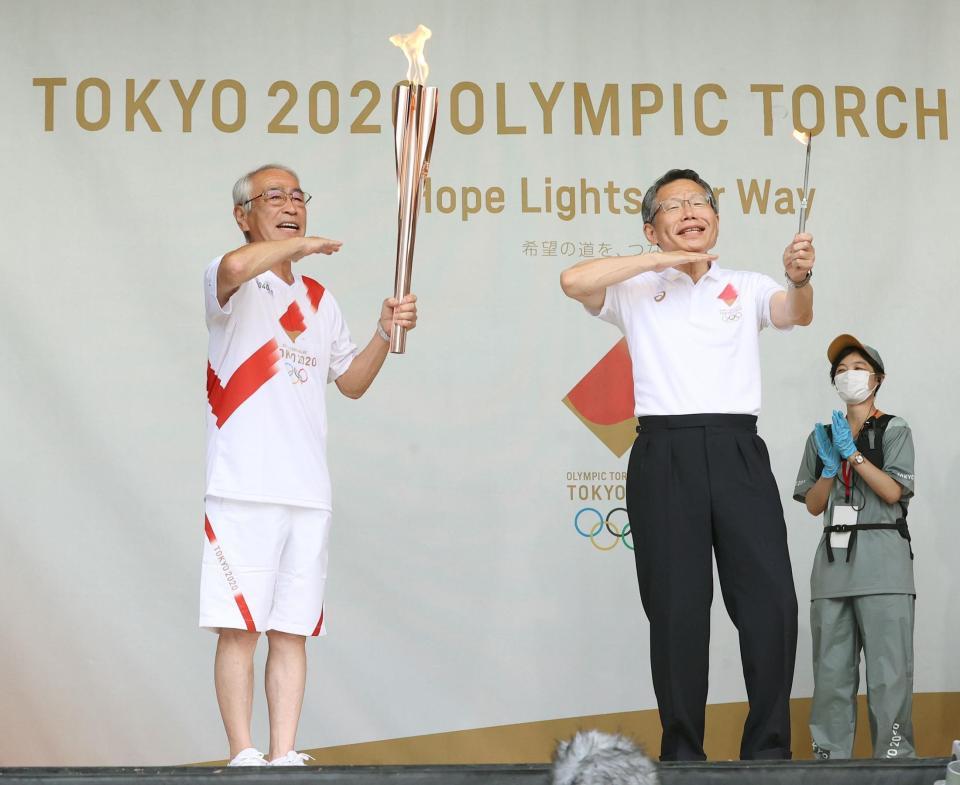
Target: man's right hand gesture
{"x": 313, "y": 245}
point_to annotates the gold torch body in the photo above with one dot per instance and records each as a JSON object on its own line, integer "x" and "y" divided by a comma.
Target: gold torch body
{"x": 414, "y": 120}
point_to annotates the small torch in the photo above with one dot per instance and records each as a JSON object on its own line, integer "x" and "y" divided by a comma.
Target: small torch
{"x": 804, "y": 139}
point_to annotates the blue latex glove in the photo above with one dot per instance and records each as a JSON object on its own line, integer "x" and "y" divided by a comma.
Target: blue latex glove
{"x": 827, "y": 452}
{"x": 842, "y": 438}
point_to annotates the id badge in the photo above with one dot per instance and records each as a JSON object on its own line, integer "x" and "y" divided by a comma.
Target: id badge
{"x": 843, "y": 515}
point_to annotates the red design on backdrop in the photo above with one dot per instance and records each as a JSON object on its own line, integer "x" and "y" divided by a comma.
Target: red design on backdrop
{"x": 252, "y": 374}
{"x": 605, "y": 395}
{"x": 237, "y": 595}
{"x": 729, "y": 295}
{"x": 315, "y": 292}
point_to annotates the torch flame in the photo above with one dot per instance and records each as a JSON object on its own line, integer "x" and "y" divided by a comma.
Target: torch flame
{"x": 412, "y": 46}
{"x": 801, "y": 137}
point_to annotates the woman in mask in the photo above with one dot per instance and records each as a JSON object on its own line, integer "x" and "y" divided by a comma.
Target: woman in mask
{"x": 857, "y": 472}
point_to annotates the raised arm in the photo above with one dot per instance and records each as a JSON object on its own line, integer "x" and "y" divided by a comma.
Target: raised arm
{"x": 366, "y": 365}
{"x": 587, "y": 281}
{"x": 795, "y": 306}
{"x": 250, "y": 260}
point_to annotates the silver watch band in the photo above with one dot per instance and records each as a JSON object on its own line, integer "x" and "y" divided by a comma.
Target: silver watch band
{"x": 802, "y": 283}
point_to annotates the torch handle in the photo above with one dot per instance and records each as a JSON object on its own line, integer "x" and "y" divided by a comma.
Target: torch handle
{"x": 398, "y": 339}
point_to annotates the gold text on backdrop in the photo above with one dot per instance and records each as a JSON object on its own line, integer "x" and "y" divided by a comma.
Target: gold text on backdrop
{"x": 609, "y": 109}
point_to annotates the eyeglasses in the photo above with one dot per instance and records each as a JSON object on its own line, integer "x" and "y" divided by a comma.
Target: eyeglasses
{"x": 277, "y": 197}
{"x": 696, "y": 202}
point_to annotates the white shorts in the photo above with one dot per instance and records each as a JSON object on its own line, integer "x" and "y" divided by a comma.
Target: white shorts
{"x": 264, "y": 567}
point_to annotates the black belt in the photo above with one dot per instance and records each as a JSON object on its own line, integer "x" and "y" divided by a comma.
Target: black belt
{"x": 663, "y": 422}
{"x": 900, "y": 526}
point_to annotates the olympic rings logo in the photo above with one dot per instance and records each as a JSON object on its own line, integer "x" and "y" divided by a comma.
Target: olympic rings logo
{"x": 297, "y": 375}
{"x": 605, "y": 524}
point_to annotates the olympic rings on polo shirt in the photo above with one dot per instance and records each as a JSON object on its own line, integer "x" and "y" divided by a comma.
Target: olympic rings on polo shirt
{"x": 601, "y": 524}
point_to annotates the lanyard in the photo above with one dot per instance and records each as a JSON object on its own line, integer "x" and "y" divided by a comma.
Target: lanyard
{"x": 846, "y": 471}
{"x": 847, "y": 474}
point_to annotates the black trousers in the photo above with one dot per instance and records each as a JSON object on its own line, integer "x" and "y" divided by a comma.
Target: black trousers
{"x": 697, "y": 483}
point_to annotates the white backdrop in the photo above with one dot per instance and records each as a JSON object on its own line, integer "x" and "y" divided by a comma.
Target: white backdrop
{"x": 461, "y": 596}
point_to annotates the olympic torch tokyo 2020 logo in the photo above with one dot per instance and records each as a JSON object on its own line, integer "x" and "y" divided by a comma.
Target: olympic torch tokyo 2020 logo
{"x": 603, "y": 401}
{"x": 605, "y": 532}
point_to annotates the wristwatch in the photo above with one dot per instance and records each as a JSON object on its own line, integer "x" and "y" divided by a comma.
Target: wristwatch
{"x": 857, "y": 458}
{"x": 803, "y": 281}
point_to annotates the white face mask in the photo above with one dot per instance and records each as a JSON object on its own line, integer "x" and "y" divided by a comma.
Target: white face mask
{"x": 854, "y": 386}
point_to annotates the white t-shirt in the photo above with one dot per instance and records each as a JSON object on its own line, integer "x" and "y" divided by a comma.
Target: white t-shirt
{"x": 694, "y": 347}
{"x": 273, "y": 348}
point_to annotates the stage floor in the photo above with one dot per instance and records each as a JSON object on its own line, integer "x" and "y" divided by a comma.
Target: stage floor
{"x": 858, "y": 772}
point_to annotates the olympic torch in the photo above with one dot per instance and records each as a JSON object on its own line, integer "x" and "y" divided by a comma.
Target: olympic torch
{"x": 806, "y": 139}
{"x": 414, "y": 121}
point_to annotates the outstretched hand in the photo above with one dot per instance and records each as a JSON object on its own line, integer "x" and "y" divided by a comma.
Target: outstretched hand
{"x": 312, "y": 245}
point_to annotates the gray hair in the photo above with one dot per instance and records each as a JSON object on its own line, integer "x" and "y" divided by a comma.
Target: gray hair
{"x": 596, "y": 758}
{"x": 243, "y": 188}
{"x": 650, "y": 196}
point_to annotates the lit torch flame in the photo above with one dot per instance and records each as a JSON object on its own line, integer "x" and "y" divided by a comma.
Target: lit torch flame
{"x": 800, "y": 136}
{"x": 412, "y": 45}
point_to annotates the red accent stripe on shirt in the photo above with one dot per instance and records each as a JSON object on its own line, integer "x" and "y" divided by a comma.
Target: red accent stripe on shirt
{"x": 214, "y": 388}
{"x": 237, "y": 595}
{"x": 315, "y": 292}
{"x": 319, "y": 624}
{"x": 252, "y": 374}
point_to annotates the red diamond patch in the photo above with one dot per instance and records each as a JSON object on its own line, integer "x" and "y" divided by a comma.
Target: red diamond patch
{"x": 729, "y": 295}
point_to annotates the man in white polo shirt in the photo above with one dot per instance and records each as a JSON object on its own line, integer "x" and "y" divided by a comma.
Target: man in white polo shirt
{"x": 699, "y": 476}
{"x": 276, "y": 339}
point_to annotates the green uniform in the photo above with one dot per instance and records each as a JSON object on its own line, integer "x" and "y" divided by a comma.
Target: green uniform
{"x": 864, "y": 603}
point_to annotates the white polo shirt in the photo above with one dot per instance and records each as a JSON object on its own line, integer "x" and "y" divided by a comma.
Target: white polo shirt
{"x": 694, "y": 347}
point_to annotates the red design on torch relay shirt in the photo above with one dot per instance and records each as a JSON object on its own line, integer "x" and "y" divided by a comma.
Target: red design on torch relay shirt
{"x": 292, "y": 321}
{"x": 729, "y": 295}
{"x": 246, "y": 380}
{"x": 315, "y": 292}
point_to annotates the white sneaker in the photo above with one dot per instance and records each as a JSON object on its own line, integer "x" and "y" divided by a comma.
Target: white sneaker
{"x": 292, "y": 758}
{"x": 249, "y": 757}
